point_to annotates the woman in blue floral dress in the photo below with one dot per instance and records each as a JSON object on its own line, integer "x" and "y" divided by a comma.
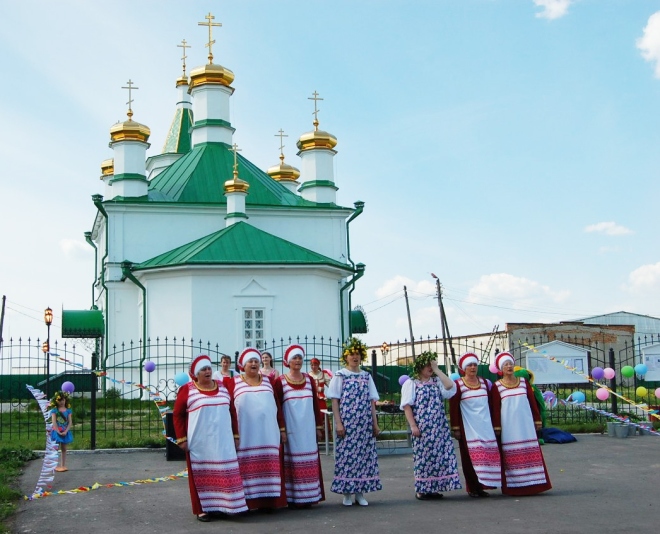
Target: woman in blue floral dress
{"x": 354, "y": 397}
{"x": 422, "y": 400}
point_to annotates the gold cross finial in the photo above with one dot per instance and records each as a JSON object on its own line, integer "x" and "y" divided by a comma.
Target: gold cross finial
{"x": 210, "y": 25}
{"x": 130, "y": 88}
{"x": 281, "y": 135}
{"x": 235, "y": 150}
{"x": 184, "y": 45}
{"x": 315, "y": 98}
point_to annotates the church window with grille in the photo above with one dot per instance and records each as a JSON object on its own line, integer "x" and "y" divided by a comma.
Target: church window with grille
{"x": 253, "y": 327}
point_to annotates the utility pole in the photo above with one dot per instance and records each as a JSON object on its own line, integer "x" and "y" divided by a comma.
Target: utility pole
{"x": 2, "y": 318}
{"x": 412, "y": 338}
{"x": 445, "y": 327}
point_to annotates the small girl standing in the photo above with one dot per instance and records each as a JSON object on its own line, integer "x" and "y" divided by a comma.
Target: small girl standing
{"x": 422, "y": 399}
{"x": 354, "y": 397}
{"x": 61, "y": 433}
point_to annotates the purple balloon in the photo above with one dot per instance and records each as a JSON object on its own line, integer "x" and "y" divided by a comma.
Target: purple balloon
{"x": 68, "y": 387}
{"x": 549, "y": 396}
{"x": 149, "y": 366}
{"x": 402, "y": 379}
{"x": 597, "y": 373}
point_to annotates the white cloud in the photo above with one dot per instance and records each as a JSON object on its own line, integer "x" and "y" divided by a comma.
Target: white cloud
{"x": 552, "y": 9}
{"x": 517, "y": 291}
{"x": 396, "y": 284}
{"x": 644, "y": 279}
{"x": 608, "y": 228}
{"x": 649, "y": 43}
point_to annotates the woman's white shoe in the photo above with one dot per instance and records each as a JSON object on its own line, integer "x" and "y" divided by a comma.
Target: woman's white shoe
{"x": 348, "y": 499}
{"x": 359, "y": 498}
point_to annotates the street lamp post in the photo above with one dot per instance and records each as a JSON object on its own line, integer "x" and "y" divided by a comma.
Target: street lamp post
{"x": 48, "y": 319}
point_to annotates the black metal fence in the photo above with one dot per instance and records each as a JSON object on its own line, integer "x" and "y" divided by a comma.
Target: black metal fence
{"x": 113, "y": 403}
{"x": 124, "y": 412}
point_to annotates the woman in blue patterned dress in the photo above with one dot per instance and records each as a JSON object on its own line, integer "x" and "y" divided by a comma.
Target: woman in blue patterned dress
{"x": 354, "y": 397}
{"x": 422, "y": 400}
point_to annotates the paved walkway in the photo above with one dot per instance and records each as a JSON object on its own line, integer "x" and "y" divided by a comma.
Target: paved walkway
{"x": 601, "y": 485}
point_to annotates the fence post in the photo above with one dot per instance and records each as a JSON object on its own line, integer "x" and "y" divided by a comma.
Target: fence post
{"x": 613, "y": 382}
{"x": 373, "y": 366}
{"x": 93, "y": 401}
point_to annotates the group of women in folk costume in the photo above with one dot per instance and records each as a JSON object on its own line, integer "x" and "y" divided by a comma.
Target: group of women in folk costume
{"x": 250, "y": 440}
{"x": 496, "y": 426}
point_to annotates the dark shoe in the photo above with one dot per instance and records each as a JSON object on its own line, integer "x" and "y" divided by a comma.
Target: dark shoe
{"x": 435, "y": 496}
{"x": 204, "y": 518}
{"x": 423, "y": 496}
{"x": 477, "y": 494}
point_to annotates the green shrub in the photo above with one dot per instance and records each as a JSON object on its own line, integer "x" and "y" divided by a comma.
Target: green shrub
{"x": 113, "y": 393}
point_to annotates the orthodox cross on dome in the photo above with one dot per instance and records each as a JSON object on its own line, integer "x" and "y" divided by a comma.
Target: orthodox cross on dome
{"x": 130, "y": 88}
{"x": 210, "y": 25}
{"x": 184, "y": 45}
{"x": 281, "y": 135}
{"x": 315, "y": 97}
{"x": 235, "y": 150}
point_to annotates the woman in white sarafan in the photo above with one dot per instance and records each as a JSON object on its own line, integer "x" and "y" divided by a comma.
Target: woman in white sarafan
{"x": 304, "y": 422}
{"x": 516, "y": 419}
{"x": 205, "y": 422}
{"x": 262, "y": 431}
{"x": 472, "y": 426}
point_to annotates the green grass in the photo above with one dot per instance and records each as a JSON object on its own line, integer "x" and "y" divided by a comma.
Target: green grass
{"x": 12, "y": 461}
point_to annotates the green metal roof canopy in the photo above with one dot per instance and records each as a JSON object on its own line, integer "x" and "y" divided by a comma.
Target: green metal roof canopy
{"x": 358, "y": 322}
{"x": 82, "y": 323}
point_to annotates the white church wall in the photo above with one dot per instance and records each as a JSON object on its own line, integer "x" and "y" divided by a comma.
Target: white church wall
{"x": 210, "y": 306}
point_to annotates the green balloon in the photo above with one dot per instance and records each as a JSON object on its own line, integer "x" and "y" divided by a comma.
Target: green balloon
{"x": 627, "y": 371}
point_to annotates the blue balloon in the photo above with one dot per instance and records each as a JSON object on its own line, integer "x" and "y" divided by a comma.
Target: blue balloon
{"x": 577, "y": 396}
{"x": 454, "y": 376}
{"x": 403, "y": 379}
{"x": 641, "y": 369}
{"x": 181, "y": 378}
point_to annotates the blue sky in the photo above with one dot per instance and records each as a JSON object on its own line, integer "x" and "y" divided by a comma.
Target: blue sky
{"x": 508, "y": 146}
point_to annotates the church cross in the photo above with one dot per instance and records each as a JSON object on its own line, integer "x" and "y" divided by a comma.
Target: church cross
{"x": 210, "y": 25}
{"x": 315, "y": 98}
{"x": 184, "y": 45}
{"x": 235, "y": 150}
{"x": 281, "y": 135}
{"x": 130, "y": 88}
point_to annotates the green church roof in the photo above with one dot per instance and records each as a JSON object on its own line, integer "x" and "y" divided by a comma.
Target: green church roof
{"x": 199, "y": 177}
{"x": 240, "y": 244}
{"x": 178, "y": 137}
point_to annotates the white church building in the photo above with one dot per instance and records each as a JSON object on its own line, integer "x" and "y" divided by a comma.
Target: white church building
{"x": 198, "y": 242}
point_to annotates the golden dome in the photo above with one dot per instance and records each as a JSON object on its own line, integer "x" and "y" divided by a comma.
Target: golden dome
{"x": 129, "y": 131}
{"x": 236, "y": 185}
{"x": 107, "y": 167}
{"x": 316, "y": 139}
{"x": 283, "y": 172}
{"x": 211, "y": 74}
{"x": 183, "y": 80}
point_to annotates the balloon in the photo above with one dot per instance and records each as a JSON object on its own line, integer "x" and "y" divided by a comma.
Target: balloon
{"x": 549, "y": 396}
{"x": 454, "y": 376}
{"x": 181, "y": 378}
{"x": 609, "y": 373}
{"x": 641, "y": 369}
{"x": 627, "y": 371}
{"x": 602, "y": 394}
{"x": 577, "y": 396}
{"x": 493, "y": 368}
{"x": 597, "y": 373}
{"x": 641, "y": 391}
{"x": 402, "y": 379}
{"x": 68, "y": 387}
{"x": 657, "y": 393}
{"x": 149, "y": 366}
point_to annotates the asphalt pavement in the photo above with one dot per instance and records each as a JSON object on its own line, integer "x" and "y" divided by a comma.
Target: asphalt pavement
{"x": 600, "y": 485}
